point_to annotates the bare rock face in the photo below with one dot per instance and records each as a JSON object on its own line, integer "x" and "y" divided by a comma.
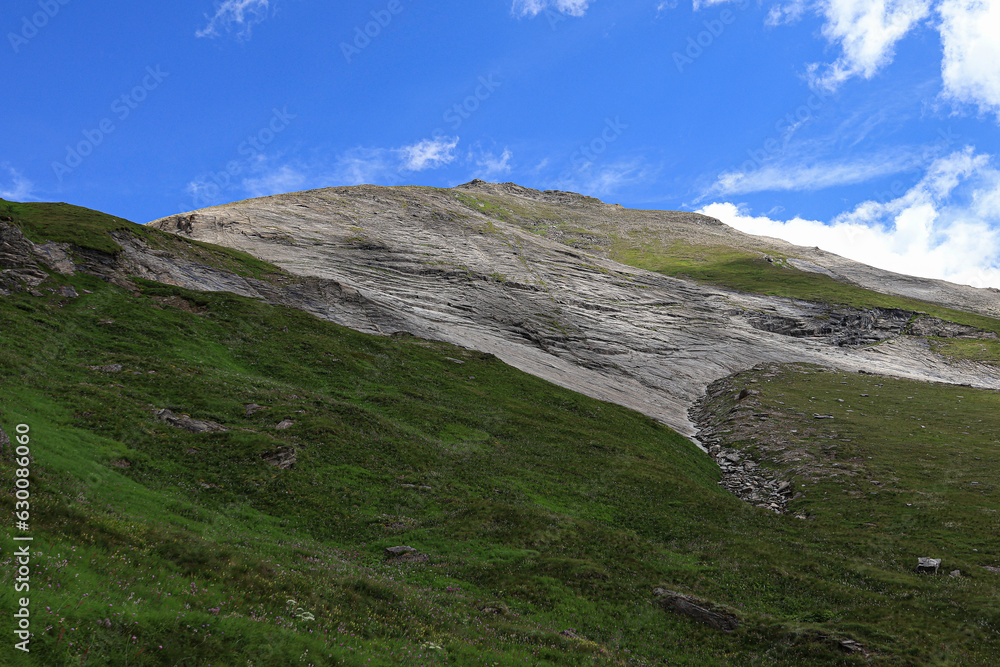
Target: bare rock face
{"x": 426, "y": 262}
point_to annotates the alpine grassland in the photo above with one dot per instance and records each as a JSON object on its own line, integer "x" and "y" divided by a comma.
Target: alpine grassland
{"x": 542, "y": 520}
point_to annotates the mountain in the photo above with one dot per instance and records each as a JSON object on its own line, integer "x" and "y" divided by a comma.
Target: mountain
{"x": 459, "y": 426}
{"x": 574, "y": 291}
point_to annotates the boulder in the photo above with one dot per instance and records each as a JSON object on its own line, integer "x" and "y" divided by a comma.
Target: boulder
{"x": 928, "y": 565}
{"x": 283, "y": 458}
{"x": 188, "y": 424}
{"x": 697, "y": 609}
{"x": 252, "y": 408}
{"x": 110, "y": 368}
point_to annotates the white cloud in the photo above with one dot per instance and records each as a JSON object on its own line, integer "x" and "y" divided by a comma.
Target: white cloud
{"x": 490, "y": 165}
{"x": 867, "y": 32}
{"x": 276, "y": 174}
{"x": 20, "y": 188}
{"x": 428, "y": 154}
{"x": 787, "y": 13}
{"x": 947, "y": 226}
{"x": 811, "y": 175}
{"x": 664, "y": 6}
{"x": 536, "y": 7}
{"x": 970, "y": 34}
{"x": 242, "y": 14}
{"x": 701, "y": 4}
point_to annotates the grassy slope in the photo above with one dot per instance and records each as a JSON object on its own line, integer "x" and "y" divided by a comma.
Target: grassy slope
{"x": 901, "y": 471}
{"x": 557, "y": 510}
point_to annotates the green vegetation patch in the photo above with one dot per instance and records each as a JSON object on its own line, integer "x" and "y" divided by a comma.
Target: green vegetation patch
{"x": 92, "y": 230}
{"x": 902, "y": 470}
{"x": 751, "y": 272}
{"x": 65, "y": 223}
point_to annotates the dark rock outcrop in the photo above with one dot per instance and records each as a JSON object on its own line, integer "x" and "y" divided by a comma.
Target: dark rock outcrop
{"x": 698, "y": 609}
{"x": 188, "y": 424}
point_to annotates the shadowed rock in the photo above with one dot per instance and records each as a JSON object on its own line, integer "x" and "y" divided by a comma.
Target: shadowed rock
{"x": 283, "y": 458}
{"x": 697, "y": 609}
{"x": 188, "y": 424}
{"x": 928, "y": 565}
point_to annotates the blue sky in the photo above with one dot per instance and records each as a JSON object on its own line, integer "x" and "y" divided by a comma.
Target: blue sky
{"x": 866, "y": 127}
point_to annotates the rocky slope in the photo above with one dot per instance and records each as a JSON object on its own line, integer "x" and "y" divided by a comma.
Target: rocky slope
{"x": 427, "y": 262}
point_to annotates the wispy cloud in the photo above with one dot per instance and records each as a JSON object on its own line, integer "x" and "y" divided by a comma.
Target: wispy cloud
{"x": 536, "y": 7}
{"x": 364, "y": 165}
{"x": 947, "y": 226}
{"x": 786, "y": 13}
{"x": 278, "y": 173}
{"x": 605, "y": 179}
{"x": 810, "y": 175}
{"x": 971, "y": 65}
{"x": 19, "y": 189}
{"x": 428, "y": 154}
{"x": 372, "y": 164}
{"x": 284, "y": 178}
{"x": 701, "y": 4}
{"x": 490, "y": 165}
{"x": 665, "y": 5}
{"x": 238, "y": 15}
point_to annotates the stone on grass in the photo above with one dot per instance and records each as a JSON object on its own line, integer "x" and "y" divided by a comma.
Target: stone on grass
{"x": 404, "y": 554}
{"x": 283, "y": 458}
{"x": 928, "y": 565}
{"x": 188, "y": 424}
{"x": 110, "y": 368}
{"x": 697, "y": 609}
{"x": 252, "y": 408}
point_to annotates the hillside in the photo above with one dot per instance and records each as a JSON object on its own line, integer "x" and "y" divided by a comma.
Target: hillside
{"x": 556, "y": 284}
{"x": 220, "y": 464}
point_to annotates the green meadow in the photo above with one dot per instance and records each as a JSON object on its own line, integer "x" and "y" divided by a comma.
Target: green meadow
{"x": 547, "y": 518}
